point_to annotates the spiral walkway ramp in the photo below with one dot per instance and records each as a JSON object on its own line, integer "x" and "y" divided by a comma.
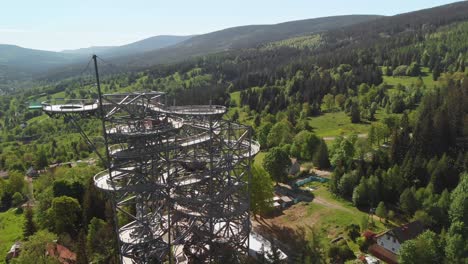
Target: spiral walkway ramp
{"x": 180, "y": 176}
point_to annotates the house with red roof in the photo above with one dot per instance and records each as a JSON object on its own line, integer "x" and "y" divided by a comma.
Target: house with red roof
{"x": 63, "y": 254}
{"x": 388, "y": 243}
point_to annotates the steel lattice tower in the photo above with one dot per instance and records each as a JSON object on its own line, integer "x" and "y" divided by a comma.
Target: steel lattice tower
{"x": 180, "y": 175}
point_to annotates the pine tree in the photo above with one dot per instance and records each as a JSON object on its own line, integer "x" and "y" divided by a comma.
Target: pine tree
{"x": 41, "y": 159}
{"x": 29, "y": 227}
{"x": 436, "y": 72}
{"x": 81, "y": 255}
{"x": 321, "y": 159}
{"x": 408, "y": 202}
{"x": 381, "y": 211}
{"x": 355, "y": 113}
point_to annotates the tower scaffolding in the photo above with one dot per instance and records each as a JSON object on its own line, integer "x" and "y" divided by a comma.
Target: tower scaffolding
{"x": 180, "y": 175}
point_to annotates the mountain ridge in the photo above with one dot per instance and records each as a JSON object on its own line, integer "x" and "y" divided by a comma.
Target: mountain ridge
{"x": 249, "y": 36}
{"x": 140, "y": 46}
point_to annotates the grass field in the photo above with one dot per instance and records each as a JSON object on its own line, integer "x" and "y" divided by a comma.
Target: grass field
{"x": 336, "y": 124}
{"x": 258, "y": 160}
{"x": 327, "y": 214}
{"x": 339, "y": 124}
{"x": 407, "y": 81}
{"x": 11, "y": 230}
{"x": 326, "y": 125}
{"x": 53, "y": 96}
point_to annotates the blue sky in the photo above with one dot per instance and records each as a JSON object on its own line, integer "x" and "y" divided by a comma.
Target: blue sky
{"x": 70, "y": 24}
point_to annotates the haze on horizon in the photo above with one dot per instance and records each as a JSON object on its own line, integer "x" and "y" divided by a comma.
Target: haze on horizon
{"x": 59, "y": 25}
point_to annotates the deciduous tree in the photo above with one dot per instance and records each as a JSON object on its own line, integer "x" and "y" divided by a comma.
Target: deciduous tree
{"x": 426, "y": 248}
{"x": 381, "y": 211}
{"x": 65, "y": 214}
{"x": 261, "y": 191}
{"x": 276, "y": 163}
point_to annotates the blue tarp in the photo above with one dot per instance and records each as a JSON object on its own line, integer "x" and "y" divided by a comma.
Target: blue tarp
{"x": 299, "y": 183}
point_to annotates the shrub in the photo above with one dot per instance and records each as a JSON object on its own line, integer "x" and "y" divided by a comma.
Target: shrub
{"x": 400, "y": 70}
{"x": 353, "y": 231}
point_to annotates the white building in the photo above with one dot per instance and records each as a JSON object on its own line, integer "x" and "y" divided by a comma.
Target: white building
{"x": 392, "y": 239}
{"x": 389, "y": 243}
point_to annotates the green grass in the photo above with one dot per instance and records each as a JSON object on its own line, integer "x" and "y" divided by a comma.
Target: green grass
{"x": 258, "y": 160}
{"x": 332, "y": 220}
{"x": 11, "y": 230}
{"x": 407, "y": 80}
{"x": 311, "y": 42}
{"x": 53, "y": 96}
{"x": 235, "y": 97}
{"x": 37, "y": 119}
{"x": 354, "y": 215}
{"x": 336, "y": 124}
{"x": 339, "y": 124}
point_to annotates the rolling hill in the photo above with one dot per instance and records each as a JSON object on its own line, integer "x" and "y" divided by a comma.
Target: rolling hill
{"x": 18, "y": 63}
{"x": 31, "y": 60}
{"x": 242, "y": 37}
{"x": 145, "y": 45}
{"x": 235, "y": 38}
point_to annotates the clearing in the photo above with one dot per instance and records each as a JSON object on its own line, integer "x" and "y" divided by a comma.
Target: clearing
{"x": 11, "y": 230}
{"x": 328, "y": 214}
{"x": 426, "y": 77}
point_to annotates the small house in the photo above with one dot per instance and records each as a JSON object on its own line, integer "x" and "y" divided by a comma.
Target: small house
{"x": 4, "y": 175}
{"x": 276, "y": 202}
{"x": 31, "y": 172}
{"x": 388, "y": 243}
{"x": 14, "y": 251}
{"x": 286, "y": 201}
{"x": 282, "y": 201}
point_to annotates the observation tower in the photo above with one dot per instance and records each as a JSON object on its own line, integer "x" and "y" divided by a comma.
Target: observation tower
{"x": 179, "y": 175}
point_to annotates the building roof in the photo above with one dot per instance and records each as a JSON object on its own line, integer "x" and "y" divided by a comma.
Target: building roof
{"x": 371, "y": 260}
{"x": 16, "y": 246}
{"x": 14, "y": 251}
{"x": 368, "y": 234}
{"x": 31, "y": 171}
{"x": 4, "y": 174}
{"x": 286, "y": 199}
{"x": 406, "y": 231}
{"x": 63, "y": 254}
{"x": 383, "y": 254}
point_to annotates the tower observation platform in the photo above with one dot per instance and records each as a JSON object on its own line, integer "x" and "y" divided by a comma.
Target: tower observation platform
{"x": 180, "y": 175}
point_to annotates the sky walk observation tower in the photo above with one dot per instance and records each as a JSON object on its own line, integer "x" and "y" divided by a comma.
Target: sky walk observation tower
{"x": 180, "y": 175}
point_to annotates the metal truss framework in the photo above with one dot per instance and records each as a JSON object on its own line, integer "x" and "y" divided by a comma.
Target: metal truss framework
{"x": 180, "y": 176}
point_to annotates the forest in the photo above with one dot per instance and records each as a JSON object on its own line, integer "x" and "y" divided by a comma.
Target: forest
{"x": 409, "y": 162}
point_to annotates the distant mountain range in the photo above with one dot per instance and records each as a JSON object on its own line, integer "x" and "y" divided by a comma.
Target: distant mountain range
{"x": 242, "y": 37}
{"x": 149, "y": 44}
{"x": 162, "y": 49}
{"x": 38, "y": 61}
{"x": 19, "y": 64}
{"x": 32, "y": 60}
